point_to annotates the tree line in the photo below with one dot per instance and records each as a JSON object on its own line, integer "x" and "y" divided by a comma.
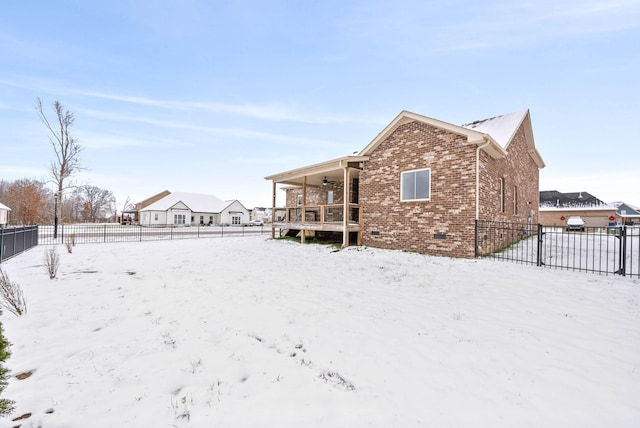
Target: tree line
{"x": 33, "y": 202}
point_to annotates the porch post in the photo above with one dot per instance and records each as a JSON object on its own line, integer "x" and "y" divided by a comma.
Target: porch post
{"x": 345, "y": 209}
{"x": 273, "y": 209}
{"x": 304, "y": 208}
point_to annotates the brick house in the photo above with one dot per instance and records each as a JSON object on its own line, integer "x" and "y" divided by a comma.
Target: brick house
{"x": 419, "y": 185}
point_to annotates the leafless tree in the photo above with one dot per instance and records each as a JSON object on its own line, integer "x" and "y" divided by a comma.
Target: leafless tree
{"x": 65, "y": 146}
{"x": 95, "y": 203}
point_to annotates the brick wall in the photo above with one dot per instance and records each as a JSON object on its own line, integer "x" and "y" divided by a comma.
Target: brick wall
{"x": 520, "y": 172}
{"x": 316, "y": 195}
{"x": 443, "y": 225}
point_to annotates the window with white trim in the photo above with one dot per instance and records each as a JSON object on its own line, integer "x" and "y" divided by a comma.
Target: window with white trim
{"x": 179, "y": 218}
{"x": 299, "y": 200}
{"x": 330, "y": 197}
{"x": 235, "y": 219}
{"x": 416, "y": 185}
{"x": 515, "y": 200}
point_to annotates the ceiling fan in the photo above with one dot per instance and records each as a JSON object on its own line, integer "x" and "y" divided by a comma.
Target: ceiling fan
{"x": 326, "y": 182}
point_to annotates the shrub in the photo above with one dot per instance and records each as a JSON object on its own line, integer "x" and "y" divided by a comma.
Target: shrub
{"x": 11, "y": 296}
{"x": 6, "y": 406}
{"x": 52, "y": 262}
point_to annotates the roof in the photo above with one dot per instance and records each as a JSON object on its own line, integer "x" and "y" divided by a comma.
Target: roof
{"x": 626, "y": 210}
{"x": 331, "y": 169}
{"x": 152, "y": 199}
{"x": 553, "y": 198}
{"x": 4, "y": 207}
{"x": 501, "y": 128}
{"x": 492, "y": 135}
{"x": 196, "y": 202}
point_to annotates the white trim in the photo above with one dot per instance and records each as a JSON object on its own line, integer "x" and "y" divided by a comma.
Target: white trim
{"x": 402, "y": 173}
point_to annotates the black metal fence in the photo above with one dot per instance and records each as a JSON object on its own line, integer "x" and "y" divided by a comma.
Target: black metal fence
{"x": 605, "y": 250}
{"x": 15, "y": 240}
{"x": 99, "y": 233}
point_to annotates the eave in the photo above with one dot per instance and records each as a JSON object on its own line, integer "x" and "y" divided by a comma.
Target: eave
{"x": 332, "y": 170}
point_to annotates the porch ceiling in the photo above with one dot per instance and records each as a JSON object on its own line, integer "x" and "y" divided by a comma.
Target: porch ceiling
{"x": 333, "y": 170}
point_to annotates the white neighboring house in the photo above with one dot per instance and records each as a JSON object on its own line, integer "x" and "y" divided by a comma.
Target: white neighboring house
{"x": 4, "y": 215}
{"x": 185, "y": 209}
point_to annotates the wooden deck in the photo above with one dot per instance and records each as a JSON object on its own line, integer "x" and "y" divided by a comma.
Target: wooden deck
{"x": 317, "y": 226}
{"x": 320, "y": 218}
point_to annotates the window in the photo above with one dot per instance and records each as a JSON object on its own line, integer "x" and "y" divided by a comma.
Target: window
{"x": 416, "y": 185}
{"x": 501, "y": 195}
{"x": 179, "y": 218}
{"x": 330, "y": 197}
{"x": 155, "y": 217}
{"x": 201, "y": 219}
{"x": 235, "y": 219}
{"x": 515, "y": 200}
{"x": 299, "y": 199}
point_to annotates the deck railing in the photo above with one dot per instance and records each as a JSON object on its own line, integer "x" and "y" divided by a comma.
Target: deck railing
{"x": 322, "y": 214}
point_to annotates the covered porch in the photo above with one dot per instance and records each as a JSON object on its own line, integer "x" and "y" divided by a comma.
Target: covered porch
{"x": 320, "y": 198}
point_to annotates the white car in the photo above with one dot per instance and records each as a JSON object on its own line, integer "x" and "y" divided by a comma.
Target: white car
{"x": 255, "y": 223}
{"x": 575, "y": 223}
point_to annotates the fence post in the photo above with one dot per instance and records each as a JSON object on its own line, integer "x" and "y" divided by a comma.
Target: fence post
{"x": 539, "y": 251}
{"x": 475, "y": 239}
{"x": 622, "y": 263}
{"x": 1, "y": 243}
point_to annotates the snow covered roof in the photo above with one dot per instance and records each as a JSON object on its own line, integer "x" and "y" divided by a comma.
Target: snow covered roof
{"x": 197, "y": 202}
{"x": 4, "y": 207}
{"x": 500, "y": 128}
{"x": 498, "y": 131}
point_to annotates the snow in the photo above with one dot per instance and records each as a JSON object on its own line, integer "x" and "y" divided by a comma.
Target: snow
{"x": 197, "y": 202}
{"x": 500, "y": 128}
{"x": 246, "y": 332}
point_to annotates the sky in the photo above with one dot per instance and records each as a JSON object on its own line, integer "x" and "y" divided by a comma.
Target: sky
{"x": 212, "y": 96}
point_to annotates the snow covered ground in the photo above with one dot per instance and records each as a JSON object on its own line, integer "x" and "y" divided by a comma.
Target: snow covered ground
{"x": 251, "y": 332}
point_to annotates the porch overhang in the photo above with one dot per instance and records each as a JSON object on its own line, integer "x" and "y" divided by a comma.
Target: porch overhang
{"x": 332, "y": 170}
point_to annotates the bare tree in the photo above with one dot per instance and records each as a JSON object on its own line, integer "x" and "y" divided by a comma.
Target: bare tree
{"x": 65, "y": 146}
{"x": 95, "y": 203}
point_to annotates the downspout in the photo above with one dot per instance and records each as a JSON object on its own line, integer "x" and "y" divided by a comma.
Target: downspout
{"x": 481, "y": 146}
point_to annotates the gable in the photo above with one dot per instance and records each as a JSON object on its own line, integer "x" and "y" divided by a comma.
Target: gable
{"x": 196, "y": 202}
{"x": 491, "y": 135}
{"x": 179, "y": 206}
{"x": 504, "y": 128}
{"x": 472, "y": 136}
